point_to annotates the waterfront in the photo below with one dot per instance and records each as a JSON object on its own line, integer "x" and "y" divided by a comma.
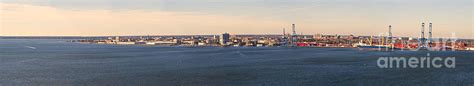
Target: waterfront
{"x": 58, "y": 62}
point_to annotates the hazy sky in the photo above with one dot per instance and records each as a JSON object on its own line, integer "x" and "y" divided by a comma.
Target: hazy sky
{"x": 187, "y": 17}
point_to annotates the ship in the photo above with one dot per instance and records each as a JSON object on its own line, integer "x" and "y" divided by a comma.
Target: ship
{"x": 363, "y": 45}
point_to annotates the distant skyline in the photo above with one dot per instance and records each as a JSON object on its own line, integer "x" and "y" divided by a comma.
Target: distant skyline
{"x": 192, "y": 17}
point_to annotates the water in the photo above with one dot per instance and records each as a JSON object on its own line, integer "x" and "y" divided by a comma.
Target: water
{"x": 57, "y": 62}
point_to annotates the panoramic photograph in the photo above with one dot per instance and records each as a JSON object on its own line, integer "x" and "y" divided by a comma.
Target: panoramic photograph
{"x": 236, "y": 43}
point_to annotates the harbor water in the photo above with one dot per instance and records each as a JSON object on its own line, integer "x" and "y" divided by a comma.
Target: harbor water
{"x": 58, "y": 62}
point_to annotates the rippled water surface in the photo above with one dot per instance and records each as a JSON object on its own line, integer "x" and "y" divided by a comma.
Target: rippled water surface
{"x": 57, "y": 62}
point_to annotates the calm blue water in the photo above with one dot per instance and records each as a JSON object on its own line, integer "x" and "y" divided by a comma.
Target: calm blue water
{"x": 56, "y": 62}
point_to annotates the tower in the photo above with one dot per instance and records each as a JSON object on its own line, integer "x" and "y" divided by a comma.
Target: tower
{"x": 423, "y": 30}
{"x": 294, "y": 36}
{"x": 284, "y": 38}
{"x": 421, "y": 42}
{"x": 294, "y": 29}
{"x": 284, "y": 32}
{"x": 390, "y": 36}
{"x": 430, "y": 37}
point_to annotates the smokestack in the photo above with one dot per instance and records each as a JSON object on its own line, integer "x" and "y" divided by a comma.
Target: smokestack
{"x": 284, "y": 32}
{"x": 294, "y": 36}
{"x": 294, "y": 29}
{"x": 430, "y": 33}
{"x": 423, "y": 30}
{"x": 390, "y": 34}
{"x": 422, "y": 41}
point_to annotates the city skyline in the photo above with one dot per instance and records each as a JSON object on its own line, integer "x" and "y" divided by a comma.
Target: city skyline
{"x": 193, "y": 17}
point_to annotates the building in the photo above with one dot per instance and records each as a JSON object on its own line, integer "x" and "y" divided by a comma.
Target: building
{"x": 224, "y": 38}
{"x": 117, "y": 39}
{"x": 318, "y": 36}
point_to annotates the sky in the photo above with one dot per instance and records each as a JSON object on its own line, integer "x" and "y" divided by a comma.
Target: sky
{"x": 192, "y": 17}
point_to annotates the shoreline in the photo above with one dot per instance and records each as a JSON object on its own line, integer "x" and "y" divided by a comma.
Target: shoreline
{"x": 198, "y": 46}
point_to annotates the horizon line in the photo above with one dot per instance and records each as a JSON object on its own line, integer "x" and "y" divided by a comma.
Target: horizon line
{"x": 199, "y": 35}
